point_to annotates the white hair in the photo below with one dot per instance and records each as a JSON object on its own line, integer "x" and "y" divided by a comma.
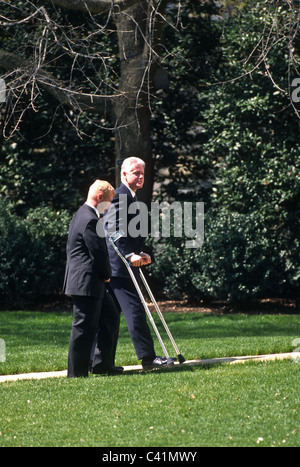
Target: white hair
{"x": 128, "y": 163}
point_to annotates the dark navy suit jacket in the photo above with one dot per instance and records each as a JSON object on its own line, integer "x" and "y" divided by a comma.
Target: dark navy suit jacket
{"x": 114, "y": 219}
{"x": 87, "y": 257}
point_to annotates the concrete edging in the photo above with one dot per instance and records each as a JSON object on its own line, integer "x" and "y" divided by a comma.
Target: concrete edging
{"x": 212, "y": 361}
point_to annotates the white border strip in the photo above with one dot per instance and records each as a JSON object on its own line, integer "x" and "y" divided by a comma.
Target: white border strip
{"x": 212, "y": 361}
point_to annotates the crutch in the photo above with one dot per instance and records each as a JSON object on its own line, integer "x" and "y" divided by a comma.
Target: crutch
{"x": 181, "y": 359}
{"x": 112, "y": 239}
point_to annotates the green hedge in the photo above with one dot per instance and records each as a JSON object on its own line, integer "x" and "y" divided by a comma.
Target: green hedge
{"x": 242, "y": 258}
{"x": 32, "y": 252}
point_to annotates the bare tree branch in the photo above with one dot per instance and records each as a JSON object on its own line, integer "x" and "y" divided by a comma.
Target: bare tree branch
{"x": 94, "y": 6}
{"x": 100, "y": 104}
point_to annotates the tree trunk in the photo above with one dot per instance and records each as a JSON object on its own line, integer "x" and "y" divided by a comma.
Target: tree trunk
{"x": 132, "y": 110}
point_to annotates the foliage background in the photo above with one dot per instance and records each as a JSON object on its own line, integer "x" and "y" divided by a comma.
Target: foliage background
{"x": 223, "y": 133}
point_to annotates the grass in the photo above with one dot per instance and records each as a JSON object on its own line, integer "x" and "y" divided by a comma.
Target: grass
{"x": 254, "y": 404}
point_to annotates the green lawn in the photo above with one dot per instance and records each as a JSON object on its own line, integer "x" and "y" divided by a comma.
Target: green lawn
{"x": 252, "y": 404}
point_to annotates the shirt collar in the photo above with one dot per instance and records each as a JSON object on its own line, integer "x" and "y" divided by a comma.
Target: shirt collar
{"x": 133, "y": 194}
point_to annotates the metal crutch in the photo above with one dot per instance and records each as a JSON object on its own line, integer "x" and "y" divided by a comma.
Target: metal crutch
{"x": 112, "y": 239}
{"x": 181, "y": 359}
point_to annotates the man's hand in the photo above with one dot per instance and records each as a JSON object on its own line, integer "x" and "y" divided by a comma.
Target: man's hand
{"x": 146, "y": 259}
{"x": 140, "y": 260}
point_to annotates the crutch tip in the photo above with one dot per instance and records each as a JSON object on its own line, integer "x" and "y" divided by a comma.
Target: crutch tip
{"x": 181, "y": 358}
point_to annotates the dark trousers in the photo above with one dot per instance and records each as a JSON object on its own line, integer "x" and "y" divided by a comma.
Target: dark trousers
{"x": 93, "y": 317}
{"x": 135, "y": 316}
{"x": 107, "y": 335}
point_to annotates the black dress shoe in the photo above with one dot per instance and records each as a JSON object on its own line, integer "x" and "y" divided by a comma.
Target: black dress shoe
{"x": 156, "y": 362}
{"x": 114, "y": 370}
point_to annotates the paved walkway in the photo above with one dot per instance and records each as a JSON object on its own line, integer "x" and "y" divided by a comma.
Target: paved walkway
{"x": 212, "y": 361}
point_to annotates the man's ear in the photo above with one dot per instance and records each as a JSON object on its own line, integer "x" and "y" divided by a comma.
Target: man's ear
{"x": 99, "y": 196}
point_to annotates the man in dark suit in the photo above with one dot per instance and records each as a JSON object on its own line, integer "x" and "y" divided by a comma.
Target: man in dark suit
{"x": 123, "y": 211}
{"x": 87, "y": 271}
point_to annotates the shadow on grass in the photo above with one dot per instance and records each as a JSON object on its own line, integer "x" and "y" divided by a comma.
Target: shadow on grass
{"x": 156, "y": 371}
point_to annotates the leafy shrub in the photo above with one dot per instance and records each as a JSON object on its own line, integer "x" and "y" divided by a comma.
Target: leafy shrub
{"x": 242, "y": 258}
{"x": 32, "y": 252}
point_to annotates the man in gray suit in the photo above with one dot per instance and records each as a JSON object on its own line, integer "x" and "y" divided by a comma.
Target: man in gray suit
{"x": 87, "y": 271}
